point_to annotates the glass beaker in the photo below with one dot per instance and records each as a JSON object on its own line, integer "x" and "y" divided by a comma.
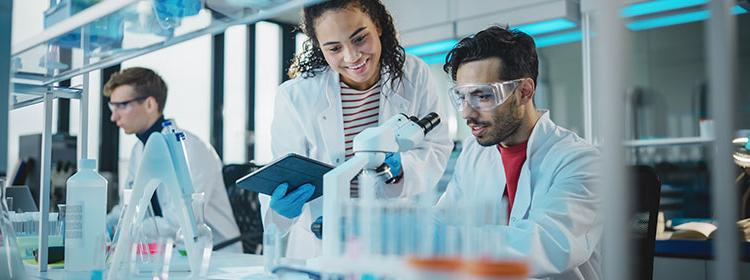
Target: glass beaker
{"x": 203, "y": 238}
{"x": 11, "y": 266}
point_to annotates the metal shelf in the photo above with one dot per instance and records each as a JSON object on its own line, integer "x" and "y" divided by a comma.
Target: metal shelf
{"x": 135, "y": 34}
{"x": 669, "y": 141}
{"x": 27, "y": 95}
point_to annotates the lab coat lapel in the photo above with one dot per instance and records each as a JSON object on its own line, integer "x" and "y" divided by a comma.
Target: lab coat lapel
{"x": 392, "y": 101}
{"x": 330, "y": 118}
{"x": 525, "y": 188}
{"x": 522, "y": 201}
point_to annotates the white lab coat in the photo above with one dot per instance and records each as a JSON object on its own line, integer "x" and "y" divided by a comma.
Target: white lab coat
{"x": 205, "y": 171}
{"x": 308, "y": 121}
{"x": 554, "y": 222}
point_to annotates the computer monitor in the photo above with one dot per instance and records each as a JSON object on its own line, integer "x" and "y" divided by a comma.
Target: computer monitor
{"x": 22, "y": 199}
{"x": 30, "y": 152}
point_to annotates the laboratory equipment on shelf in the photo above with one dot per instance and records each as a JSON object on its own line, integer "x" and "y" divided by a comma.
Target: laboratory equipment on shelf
{"x": 169, "y": 13}
{"x": 86, "y": 210}
{"x": 105, "y": 32}
{"x": 11, "y": 266}
{"x": 163, "y": 164}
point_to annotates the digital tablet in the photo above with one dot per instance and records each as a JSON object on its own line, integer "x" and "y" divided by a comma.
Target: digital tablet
{"x": 294, "y": 169}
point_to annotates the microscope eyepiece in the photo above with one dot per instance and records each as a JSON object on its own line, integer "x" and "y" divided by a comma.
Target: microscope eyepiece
{"x": 429, "y": 122}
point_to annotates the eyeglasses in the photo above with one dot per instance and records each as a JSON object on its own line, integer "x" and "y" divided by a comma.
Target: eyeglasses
{"x": 114, "y": 106}
{"x": 483, "y": 96}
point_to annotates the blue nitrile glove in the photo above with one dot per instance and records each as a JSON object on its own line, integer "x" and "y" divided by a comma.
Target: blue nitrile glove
{"x": 393, "y": 160}
{"x": 290, "y": 205}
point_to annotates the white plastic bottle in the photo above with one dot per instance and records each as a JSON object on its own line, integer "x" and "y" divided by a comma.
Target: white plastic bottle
{"x": 86, "y": 210}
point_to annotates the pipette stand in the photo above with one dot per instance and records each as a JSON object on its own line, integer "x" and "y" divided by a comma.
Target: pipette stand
{"x": 157, "y": 168}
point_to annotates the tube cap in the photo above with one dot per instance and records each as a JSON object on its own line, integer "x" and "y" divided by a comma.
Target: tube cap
{"x": 86, "y": 163}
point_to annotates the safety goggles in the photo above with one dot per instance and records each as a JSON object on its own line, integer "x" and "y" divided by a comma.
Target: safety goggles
{"x": 113, "y": 106}
{"x": 483, "y": 96}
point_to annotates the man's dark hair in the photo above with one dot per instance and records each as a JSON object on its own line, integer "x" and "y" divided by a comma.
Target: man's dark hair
{"x": 144, "y": 81}
{"x": 311, "y": 61}
{"x": 516, "y": 50}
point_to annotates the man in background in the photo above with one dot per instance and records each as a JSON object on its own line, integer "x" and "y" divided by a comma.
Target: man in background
{"x": 137, "y": 97}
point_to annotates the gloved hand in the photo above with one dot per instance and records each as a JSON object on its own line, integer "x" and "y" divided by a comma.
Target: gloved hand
{"x": 393, "y": 160}
{"x": 290, "y": 205}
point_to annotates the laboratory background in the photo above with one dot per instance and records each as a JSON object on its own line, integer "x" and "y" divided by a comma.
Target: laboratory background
{"x": 658, "y": 87}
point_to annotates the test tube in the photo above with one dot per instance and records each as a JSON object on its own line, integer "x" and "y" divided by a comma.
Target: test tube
{"x": 9, "y": 203}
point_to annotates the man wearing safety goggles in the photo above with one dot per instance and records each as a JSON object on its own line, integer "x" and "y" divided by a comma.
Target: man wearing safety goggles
{"x": 538, "y": 174}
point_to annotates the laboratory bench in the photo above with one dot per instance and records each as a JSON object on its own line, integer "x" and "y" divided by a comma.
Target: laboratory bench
{"x": 223, "y": 266}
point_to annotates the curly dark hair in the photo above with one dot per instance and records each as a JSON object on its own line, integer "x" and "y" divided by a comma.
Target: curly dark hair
{"x": 515, "y": 49}
{"x": 311, "y": 61}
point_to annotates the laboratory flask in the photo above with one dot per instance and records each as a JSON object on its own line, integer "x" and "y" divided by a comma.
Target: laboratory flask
{"x": 11, "y": 266}
{"x": 203, "y": 238}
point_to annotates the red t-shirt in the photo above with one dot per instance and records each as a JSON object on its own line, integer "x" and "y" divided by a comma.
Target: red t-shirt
{"x": 513, "y": 159}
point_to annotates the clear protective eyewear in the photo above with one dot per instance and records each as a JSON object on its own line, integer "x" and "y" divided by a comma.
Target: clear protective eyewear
{"x": 483, "y": 96}
{"x": 113, "y": 106}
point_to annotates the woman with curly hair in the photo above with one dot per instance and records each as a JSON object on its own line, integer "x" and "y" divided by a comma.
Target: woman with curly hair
{"x": 352, "y": 74}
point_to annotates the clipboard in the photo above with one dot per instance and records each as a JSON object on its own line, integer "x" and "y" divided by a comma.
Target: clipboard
{"x": 294, "y": 169}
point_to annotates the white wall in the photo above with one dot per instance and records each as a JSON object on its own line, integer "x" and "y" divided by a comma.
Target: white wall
{"x": 235, "y": 94}
{"x": 267, "y": 80}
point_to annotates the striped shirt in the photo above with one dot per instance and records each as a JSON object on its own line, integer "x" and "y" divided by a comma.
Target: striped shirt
{"x": 360, "y": 110}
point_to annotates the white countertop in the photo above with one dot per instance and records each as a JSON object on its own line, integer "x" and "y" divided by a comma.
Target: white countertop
{"x": 223, "y": 266}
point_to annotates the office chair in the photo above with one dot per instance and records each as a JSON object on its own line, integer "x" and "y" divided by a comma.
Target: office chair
{"x": 246, "y": 209}
{"x": 648, "y": 193}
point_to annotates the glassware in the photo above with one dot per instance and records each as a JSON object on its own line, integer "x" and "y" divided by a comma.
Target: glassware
{"x": 9, "y": 202}
{"x": 11, "y": 266}
{"x": 203, "y": 238}
{"x": 271, "y": 249}
{"x": 150, "y": 236}
{"x": 152, "y": 259}
{"x": 61, "y": 221}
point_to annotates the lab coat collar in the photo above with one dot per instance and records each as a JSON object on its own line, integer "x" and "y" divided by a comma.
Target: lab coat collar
{"x": 541, "y": 128}
{"x": 327, "y": 118}
{"x": 390, "y": 87}
{"x": 522, "y": 201}
{"x": 392, "y": 97}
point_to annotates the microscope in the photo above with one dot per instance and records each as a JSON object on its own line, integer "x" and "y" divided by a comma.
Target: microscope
{"x": 399, "y": 134}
